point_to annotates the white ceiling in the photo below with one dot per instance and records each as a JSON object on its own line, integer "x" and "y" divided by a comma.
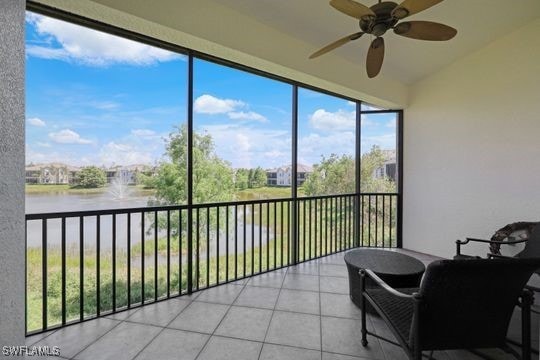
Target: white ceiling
{"x": 316, "y": 23}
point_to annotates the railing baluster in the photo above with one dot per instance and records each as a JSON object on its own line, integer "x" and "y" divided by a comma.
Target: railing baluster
{"x": 315, "y": 229}
{"x": 275, "y": 235}
{"x": 207, "y": 246}
{"x": 217, "y": 245}
{"x": 114, "y": 262}
{"x": 281, "y": 222}
{"x": 197, "y": 250}
{"x": 335, "y": 222}
{"x": 351, "y": 222}
{"x": 390, "y": 227}
{"x": 244, "y": 249}
{"x": 288, "y": 232}
{"x": 128, "y": 259}
{"x": 64, "y": 271}
{"x": 369, "y": 221}
{"x": 142, "y": 257}
{"x": 310, "y": 222}
{"x": 168, "y": 253}
{"x": 236, "y": 241}
{"x": 227, "y": 243}
{"x": 155, "y": 256}
{"x": 260, "y": 237}
{"x": 98, "y": 265}
{"x": 376, "y": 221}
{"x": 44, "y": 295}
{"x": 180, "y": 251}
{"x": 267, "y": 236}
{"x": 339, "y": 228}
{"x": 304, "y": 223}
{"x": 383, "y": 218}
{"x": 81, "y": 268}
{"x": 253, "y": 237}
{"x": 362, "y": 221}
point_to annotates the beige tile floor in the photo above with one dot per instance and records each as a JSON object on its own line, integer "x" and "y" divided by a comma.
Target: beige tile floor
{"x": 301, "y": 312}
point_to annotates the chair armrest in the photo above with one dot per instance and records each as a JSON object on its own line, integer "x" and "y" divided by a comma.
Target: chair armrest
{"x": 467, "y": 240}
{"x": 510, "y": 242}
{"x": 532, "y": 288}
{"x": 380, "y": 282}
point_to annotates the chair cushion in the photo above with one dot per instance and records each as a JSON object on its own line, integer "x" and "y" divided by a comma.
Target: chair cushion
{"x": 398, "y": 310}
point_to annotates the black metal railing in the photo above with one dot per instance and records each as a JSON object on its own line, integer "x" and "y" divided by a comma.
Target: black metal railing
{"x": 86, "y": 264}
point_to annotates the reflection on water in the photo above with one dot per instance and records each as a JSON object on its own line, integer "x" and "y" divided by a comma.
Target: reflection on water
{"x": 252, "y": 235}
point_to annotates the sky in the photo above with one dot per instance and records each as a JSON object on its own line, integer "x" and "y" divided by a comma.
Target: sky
{"x": 98, "y": 99}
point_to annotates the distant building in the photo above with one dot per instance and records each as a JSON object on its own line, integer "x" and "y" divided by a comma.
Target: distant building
{"x": 282, "y": 175}
{"x": 50, "y": 173}
{"x": 127, "y": 175}
{"x": 58, "y": 173}
{"x": 389, "y": 168}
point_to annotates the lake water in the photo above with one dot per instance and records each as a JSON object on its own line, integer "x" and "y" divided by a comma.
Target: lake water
{"x": 65, "y": 202}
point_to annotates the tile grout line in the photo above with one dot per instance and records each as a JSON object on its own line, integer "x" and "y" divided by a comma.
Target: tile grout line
{"x": 162, "y": 330}
{"x": 223, "y": 318}
{"x": 98, "y": 338}
{"x": 273, "y": 312}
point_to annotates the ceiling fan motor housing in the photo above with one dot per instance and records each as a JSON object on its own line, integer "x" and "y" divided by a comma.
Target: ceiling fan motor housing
{"x": 383, "y": 21}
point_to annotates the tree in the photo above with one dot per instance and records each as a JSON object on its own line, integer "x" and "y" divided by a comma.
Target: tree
{"x": 212, "y": 176}
{"x": 258, "y": 178}
{"x": 241, "y": 179}
{"x": 336, "y": 175}
{"x": 371, "y": 161}
{"x": 91, "y": 177}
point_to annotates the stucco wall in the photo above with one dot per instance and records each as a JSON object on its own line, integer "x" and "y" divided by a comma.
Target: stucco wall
{"x": 12, "y": 172}
{"x": 472, "y": 146}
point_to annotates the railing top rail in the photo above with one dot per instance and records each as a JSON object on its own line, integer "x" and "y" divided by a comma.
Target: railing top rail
{"x": 147, "y": 209}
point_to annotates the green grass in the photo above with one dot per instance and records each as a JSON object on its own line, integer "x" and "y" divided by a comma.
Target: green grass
{"x": 266, "y": 192}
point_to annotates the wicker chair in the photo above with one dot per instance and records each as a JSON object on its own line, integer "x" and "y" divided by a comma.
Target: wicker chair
{"x": 461, "y": 304}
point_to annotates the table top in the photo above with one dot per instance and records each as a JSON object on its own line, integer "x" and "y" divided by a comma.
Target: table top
{"x": 384, "y": 262}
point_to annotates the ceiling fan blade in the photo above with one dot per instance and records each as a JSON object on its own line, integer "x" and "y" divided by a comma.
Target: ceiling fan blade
{"x": 375, "y": 57}
{"x": 352, "y": 8}
{"x": 336, "y": 44}
{"x": 425, "y": 30}
{"x": 410, "y": 7}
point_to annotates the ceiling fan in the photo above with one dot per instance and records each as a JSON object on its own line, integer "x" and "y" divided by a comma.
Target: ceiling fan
{"x": 381, "y": 17}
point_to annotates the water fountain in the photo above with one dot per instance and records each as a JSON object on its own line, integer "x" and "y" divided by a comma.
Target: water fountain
{"x": 119, "y": 189}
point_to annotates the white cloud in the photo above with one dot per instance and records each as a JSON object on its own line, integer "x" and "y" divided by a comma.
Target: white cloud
{"x": 123, "y": 154}
{"x": 384, "y": 141}
{"x": 70, "y": 42}
{"x": 36, "y": 122}
{"x": 351, "y": 103}
{"x": 312, "y": 146}
{"x": 68, "y": 136}
{"x": 144, "y": 133}
{"x": 249, "y": 115}
{"x": 391, "y": 124}
{"x": 247, "y": 147}
{"x": 333, "y": 121}
{"x": 208, "y": 104}
{"x": 43, "y": 144}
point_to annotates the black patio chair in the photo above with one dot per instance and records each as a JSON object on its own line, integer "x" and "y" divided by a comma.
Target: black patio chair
{"x": 531, "y": 249}
{"x": 531, "y": 241}
{"x": 461, "y": 304}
